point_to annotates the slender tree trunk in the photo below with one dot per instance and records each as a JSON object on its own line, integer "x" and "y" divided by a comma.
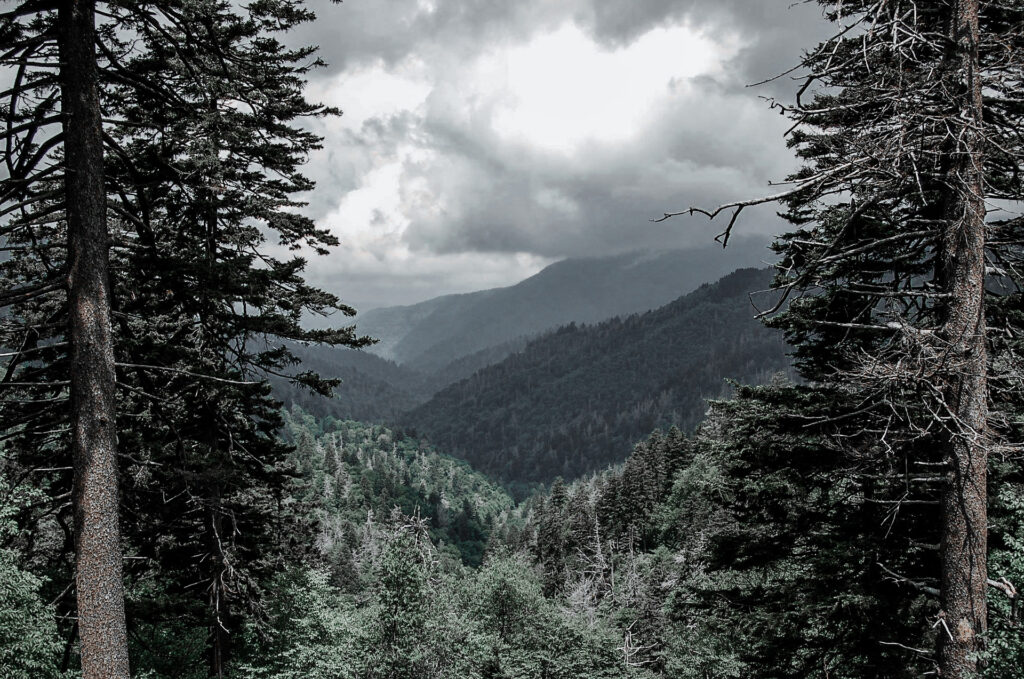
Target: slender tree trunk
{"x": 964, "y": 521}
{"x": 99, "y": 590}
{"x": 222, "y": 625}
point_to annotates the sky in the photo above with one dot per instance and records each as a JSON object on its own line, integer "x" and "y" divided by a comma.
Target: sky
{"x": 485, "y": 139}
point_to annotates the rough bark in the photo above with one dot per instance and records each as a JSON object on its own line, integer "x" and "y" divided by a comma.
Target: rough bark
{"x": 964, "y": 538}
{"x": 99, "y": 589}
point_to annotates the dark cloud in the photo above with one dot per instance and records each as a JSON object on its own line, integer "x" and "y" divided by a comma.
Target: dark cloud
{"x": 704, "y": 150}
{"x": 361, "y": 31}
{"x": 709, "y": 140}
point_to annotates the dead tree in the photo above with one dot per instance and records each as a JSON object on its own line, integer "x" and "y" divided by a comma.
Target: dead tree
{"x": 964, "y": 384}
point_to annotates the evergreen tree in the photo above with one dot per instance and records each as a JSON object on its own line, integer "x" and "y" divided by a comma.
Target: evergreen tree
{"x": 402, "y": 573}
{"x": 201, "y": 156}
{"x": 30, "y": 647}
{"x": 40, "y": 183}
{"x": 908, "y": 124}
{"x": 550, "y": 545}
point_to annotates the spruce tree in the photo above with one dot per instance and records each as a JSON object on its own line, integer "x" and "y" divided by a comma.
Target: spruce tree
{"x": 908, "y": 126}
{"x": 74, "y": 187}
{"x": 201, "y": 156}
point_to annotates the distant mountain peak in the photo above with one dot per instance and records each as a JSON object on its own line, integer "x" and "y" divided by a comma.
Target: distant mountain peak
{"x": 433, "y": 334}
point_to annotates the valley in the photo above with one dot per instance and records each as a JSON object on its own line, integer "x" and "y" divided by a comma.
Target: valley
{"x": 567, "y": 401}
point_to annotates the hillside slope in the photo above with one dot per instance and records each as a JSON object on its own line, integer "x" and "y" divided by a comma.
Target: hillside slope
{"x": 574, "y": 400}
{"x": 430, "y": 335}
{"x": 351, "y": 472}
{"x": 372, "y": 389}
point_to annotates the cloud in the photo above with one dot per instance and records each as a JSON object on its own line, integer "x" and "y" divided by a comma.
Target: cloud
{"x": 482, "y": 140}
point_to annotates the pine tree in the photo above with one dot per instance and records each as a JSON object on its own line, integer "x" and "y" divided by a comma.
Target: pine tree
{"x": 74, "y": 186}
{"x": 402, "y": 594}
{"x": 788, "y": 534}
{"x": 909, "y": 126}
{"x": 201, "y": 156}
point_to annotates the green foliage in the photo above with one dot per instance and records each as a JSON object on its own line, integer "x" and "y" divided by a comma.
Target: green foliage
{"x": 350, "y": 469}
{"x": 1006, "y": 561}
{"x": 418, "y": 616}
{"x": 30, "y": 647}
{"x": 402, "y": 572}
{"x": 508, "y": 595}
{"x": 313, "y": 632}
{"x": 532, "y": 635}
{"x": 749, "y": 550}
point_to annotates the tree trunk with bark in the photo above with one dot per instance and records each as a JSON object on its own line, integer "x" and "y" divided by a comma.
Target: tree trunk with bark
{"x": 99, "y": 589}
{"x": 964, "y": 522}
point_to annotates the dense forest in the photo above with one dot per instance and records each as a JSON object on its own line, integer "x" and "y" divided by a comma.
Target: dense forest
{"x": 351, "y": 472}
{"x": 466, "y": 333}
{"x": 177, "y": 501}
{"x": 571, "y": 402}
{"x": 370, "y": 388}
{"x": 724, "y": 554}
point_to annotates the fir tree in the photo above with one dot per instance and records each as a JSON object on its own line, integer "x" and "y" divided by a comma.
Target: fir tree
{"x": 201, "y": 154}
{"x": 909, "y": 126}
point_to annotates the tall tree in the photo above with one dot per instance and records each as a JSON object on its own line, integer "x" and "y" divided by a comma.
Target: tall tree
{"x": 909, "y": 127}
{"x": 964, "y": 386}
{"x": 93, "y": 415}
{"x": 202, "y": 159}
{"x": 223, "y": 156}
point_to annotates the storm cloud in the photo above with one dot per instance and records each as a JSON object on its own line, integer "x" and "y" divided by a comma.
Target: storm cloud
{"x": 483, "y": 140}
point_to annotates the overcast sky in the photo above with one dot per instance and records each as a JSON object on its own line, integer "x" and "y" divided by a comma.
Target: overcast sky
{"x": 484, "y": 139}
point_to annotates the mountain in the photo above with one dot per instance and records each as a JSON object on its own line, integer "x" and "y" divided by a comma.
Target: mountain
{"x": 574, "y": 400}
{"x": 372, "y": 389}
{"x": 429, "y": 336}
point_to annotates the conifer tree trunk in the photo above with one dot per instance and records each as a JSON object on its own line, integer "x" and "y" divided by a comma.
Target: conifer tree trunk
{"x": 964, "y": 538}
{"x": 100, "y": 596}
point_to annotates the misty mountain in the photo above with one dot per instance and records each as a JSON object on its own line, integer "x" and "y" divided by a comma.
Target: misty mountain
{"x": 574, "y": 400}
{"x": 431, "y": 335}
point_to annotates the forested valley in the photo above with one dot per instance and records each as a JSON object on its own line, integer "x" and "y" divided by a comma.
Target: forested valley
{"x": 573, "y": 400}
{"x": 647, "y": 465}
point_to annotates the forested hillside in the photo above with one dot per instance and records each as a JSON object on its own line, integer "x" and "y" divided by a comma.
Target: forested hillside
{"x": 727, "y": 554}
{"x": 662, "y": 375}
{"x": 425, "y": 347}
{"x": 574, "y": 400}
{"x": 370, "y": 388}
{"x": 430, "y": 335}
{"x": 374, "y": 389}
{"x": 754, "y": 549}
{"x": 353, "y": 472}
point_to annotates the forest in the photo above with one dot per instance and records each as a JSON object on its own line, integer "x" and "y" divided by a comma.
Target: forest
{"x": 571, "y": 402}
{"x": 810, "y": 470}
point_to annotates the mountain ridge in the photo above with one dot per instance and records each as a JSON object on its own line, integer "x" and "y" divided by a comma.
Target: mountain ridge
{"x": 571, "y": 401}
{"x": 430, "y": 335}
